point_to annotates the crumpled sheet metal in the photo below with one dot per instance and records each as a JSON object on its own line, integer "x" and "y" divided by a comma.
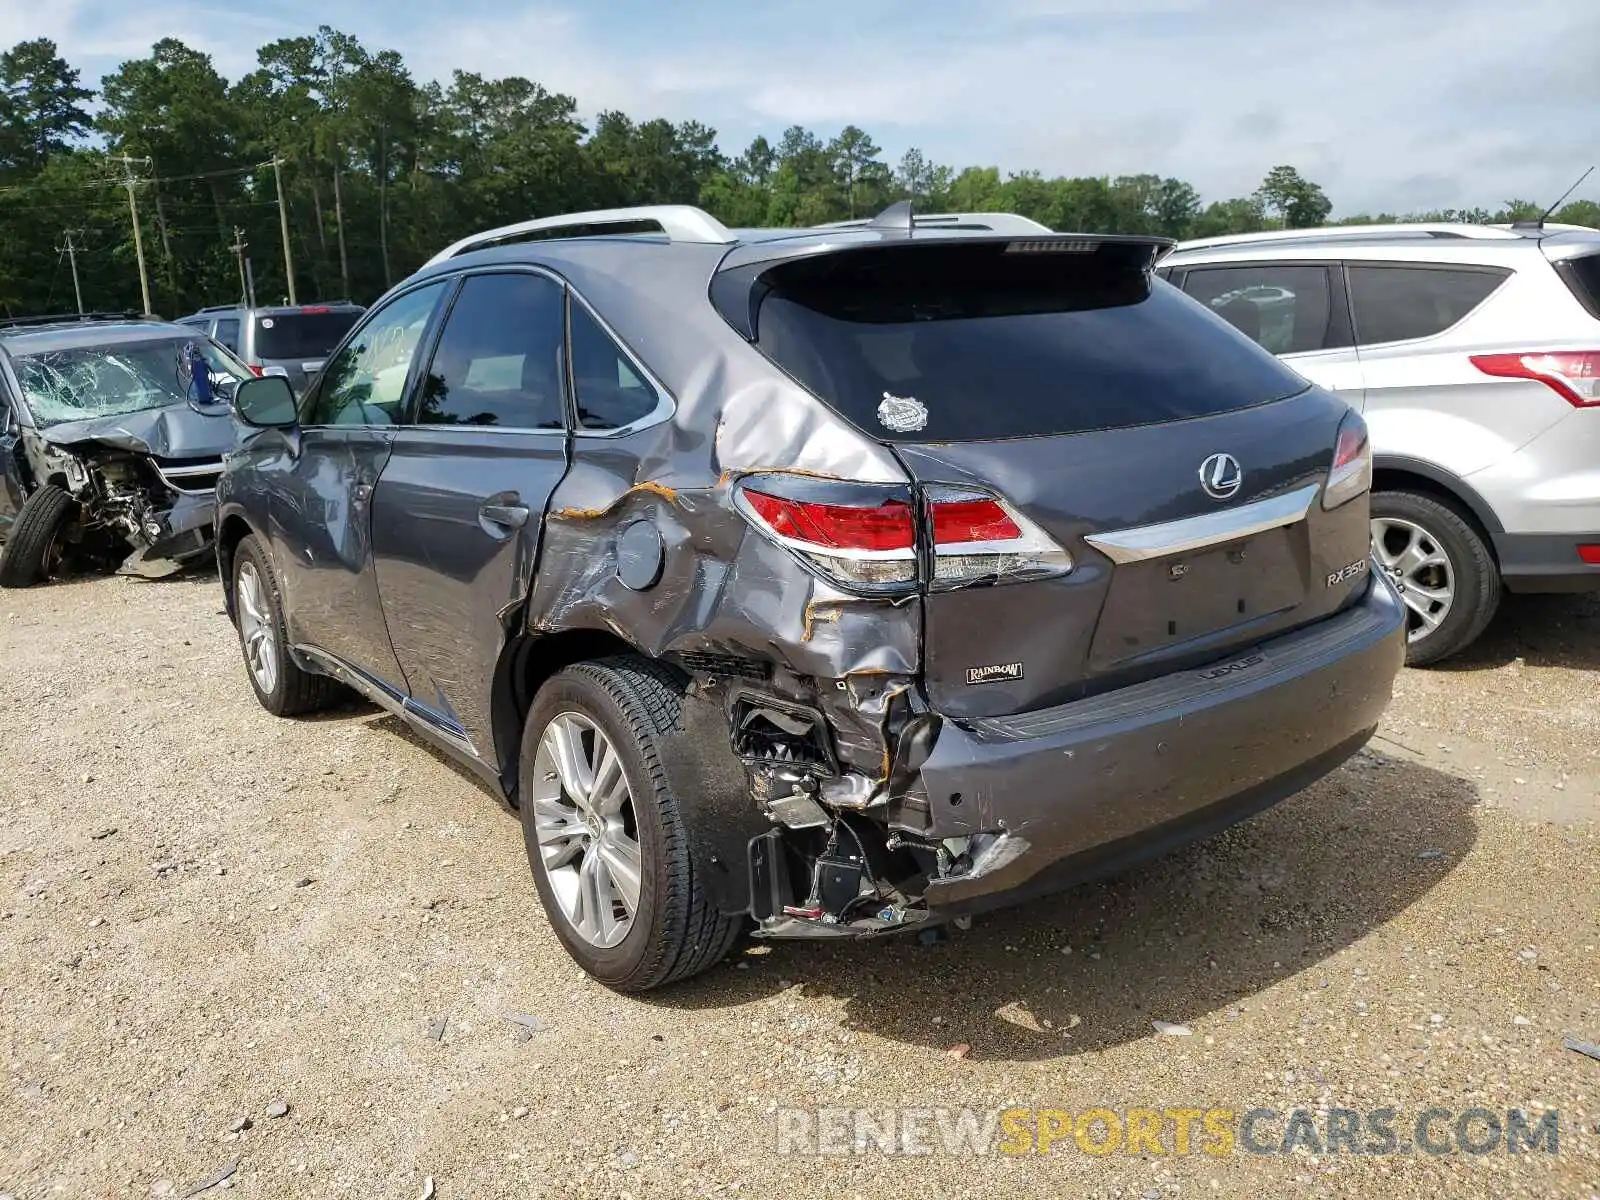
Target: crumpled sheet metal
{"x": 724, "y": 589}
{"x": 174, "y": 431}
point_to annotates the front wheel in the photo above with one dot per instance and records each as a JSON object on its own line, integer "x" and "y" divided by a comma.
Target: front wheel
{"x": 1442, "y": 568}
{"x": 612, "y": 852}
{"x": 33, "y": 551}
{"x": 283, "y": 687}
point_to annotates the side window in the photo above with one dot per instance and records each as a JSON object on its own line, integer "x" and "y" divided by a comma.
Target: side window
{"x": 365, "y": 382}
{"x": 499, "y": 357}
{"x": 1395, "y": 304}
{"x": 228, "y": 334}
{"x": 1285, "y": 309}
{"x": 611, "y": 393}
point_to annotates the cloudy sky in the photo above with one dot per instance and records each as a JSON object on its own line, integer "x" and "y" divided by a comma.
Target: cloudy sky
{"x": 1389, "y": 104}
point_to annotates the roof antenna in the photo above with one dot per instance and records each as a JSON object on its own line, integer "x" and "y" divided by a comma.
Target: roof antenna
{"x": 1545, "y": 216}
{"x": 897, "y": 216}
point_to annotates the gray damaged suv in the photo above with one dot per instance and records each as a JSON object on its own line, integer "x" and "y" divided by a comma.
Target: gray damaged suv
{"x": 835, "y": 581}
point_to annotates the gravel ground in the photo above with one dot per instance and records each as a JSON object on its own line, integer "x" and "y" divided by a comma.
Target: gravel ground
{"x": 206, "y": 912}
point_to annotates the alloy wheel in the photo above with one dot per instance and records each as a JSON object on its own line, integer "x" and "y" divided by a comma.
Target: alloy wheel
{"x": 587, "y": 834}
{"x": 1420, "y": 570}
{"x": 256, "y": 629}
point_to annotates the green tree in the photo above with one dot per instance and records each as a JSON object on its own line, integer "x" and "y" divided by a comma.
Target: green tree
{"x": 855, "y": 159}
{"x": 1297, "y": 202}
{"x": 1242, "y": 214}
{"x": 41, "y": 105}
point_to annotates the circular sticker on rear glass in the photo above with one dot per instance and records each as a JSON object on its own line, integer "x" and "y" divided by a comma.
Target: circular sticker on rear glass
{"x": 902, "y": 414}
{"x": 266, "y": 322}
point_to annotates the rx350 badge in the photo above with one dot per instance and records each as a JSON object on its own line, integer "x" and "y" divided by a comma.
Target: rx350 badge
{"x": 1358, "y": 567}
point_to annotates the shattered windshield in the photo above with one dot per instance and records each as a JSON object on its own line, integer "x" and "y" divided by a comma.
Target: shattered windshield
{"x": 84, "y": 382}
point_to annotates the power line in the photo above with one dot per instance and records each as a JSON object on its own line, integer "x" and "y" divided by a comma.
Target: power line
{"x": 114, "y": 182}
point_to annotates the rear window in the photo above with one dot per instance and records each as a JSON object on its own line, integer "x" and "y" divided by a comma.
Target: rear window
{"x": 1582, "y": 275}
{"x": 962, "y": 342}
{"x": 301, "y": 334}
{"x": 1396, "y": 304}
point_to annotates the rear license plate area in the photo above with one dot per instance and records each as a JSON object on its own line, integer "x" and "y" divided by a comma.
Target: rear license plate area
{"x": 1172, "y": 600}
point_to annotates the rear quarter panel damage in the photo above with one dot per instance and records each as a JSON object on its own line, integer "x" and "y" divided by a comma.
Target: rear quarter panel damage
{"x": 725, "y": 593}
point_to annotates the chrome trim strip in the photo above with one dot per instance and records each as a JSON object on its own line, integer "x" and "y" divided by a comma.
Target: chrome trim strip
{"x": 210, "y": 468}
{"x": 1145, "y": 542}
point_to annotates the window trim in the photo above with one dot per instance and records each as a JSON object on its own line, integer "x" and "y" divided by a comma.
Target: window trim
{"x": 1504, "y": 273}
{"x": 429, "y": 335}
{"x": 458, "y": 280}
{"x": 666, "y": 403}
{"x": 1339, "y": 333}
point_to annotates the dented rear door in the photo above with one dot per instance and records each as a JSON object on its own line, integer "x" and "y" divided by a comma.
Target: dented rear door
{"x": 457, "y": 516}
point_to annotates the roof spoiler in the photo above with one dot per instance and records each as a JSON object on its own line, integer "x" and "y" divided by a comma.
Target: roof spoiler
{"x": 737, "y": 288}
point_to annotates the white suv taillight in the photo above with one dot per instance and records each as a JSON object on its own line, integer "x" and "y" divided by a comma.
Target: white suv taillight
{"x": 865, "y": 537}
{"x": 1351, "y": 473}
{"x": 1574, "y": 375}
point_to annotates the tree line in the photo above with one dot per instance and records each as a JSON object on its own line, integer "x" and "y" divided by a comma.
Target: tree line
{"x": 378, "y": 171}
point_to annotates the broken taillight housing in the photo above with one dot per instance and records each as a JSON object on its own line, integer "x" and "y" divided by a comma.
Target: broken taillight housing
{"x": 1351, "y": 473}
{"x": 1574, "y": 375}
{"x": 977, "y": 537}
{"x": 868, "y": 537}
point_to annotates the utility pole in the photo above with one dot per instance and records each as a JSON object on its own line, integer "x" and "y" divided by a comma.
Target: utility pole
{"x": 133, "y": 211}
{"x": 239, "y": 247}
{"x": 283, "y": 225}
{"x": 71, "y": 252}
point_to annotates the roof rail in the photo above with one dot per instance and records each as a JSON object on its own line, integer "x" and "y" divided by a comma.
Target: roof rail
{"x": 895, "y": 217}
{"x": 1334, "y": 233}
{"x": 680, "y": 222}
{"x": 74, "y": 318}
{"x": 219, "y": 308}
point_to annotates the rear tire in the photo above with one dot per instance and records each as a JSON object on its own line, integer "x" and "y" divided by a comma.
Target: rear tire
{"x": 284, "y": 688}
{"x": 674, "y": 930}
{"x": 1430, "y": 551}
{"x": 31, "y": 548}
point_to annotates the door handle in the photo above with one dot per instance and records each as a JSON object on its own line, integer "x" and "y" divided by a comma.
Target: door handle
{"x": 511, "y": 516}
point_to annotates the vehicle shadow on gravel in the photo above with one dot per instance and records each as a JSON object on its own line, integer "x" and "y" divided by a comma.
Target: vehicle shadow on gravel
{"x": 1543, "y": 631}
{"x": 1199, "y": 932}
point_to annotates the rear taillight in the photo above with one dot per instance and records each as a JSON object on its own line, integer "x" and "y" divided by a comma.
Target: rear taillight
{"x": 1589, "y": 552}
{"x": 860, "y": 536}
{"x": 977, "y": 537}
{"x": 1574, "y": 375}
{"x": 254, "y": 369}
{"x": 866, "y": 537}
{"x": 1350, "y": 475}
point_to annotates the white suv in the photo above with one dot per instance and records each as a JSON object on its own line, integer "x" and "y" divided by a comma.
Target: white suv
{"x": 1474, "y": 353}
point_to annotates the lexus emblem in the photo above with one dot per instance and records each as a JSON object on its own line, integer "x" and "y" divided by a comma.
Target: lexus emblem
{"x": 1221, "y": 476}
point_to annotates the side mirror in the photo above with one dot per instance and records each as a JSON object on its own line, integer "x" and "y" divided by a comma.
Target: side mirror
{"x": 267, "y": 403}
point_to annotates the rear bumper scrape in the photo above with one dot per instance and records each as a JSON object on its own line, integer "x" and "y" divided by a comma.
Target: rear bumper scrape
{"x": 1064, "y": 789}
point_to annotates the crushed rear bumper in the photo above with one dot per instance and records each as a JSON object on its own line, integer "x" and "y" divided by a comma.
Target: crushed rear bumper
{"x": 1053, "y": 797}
